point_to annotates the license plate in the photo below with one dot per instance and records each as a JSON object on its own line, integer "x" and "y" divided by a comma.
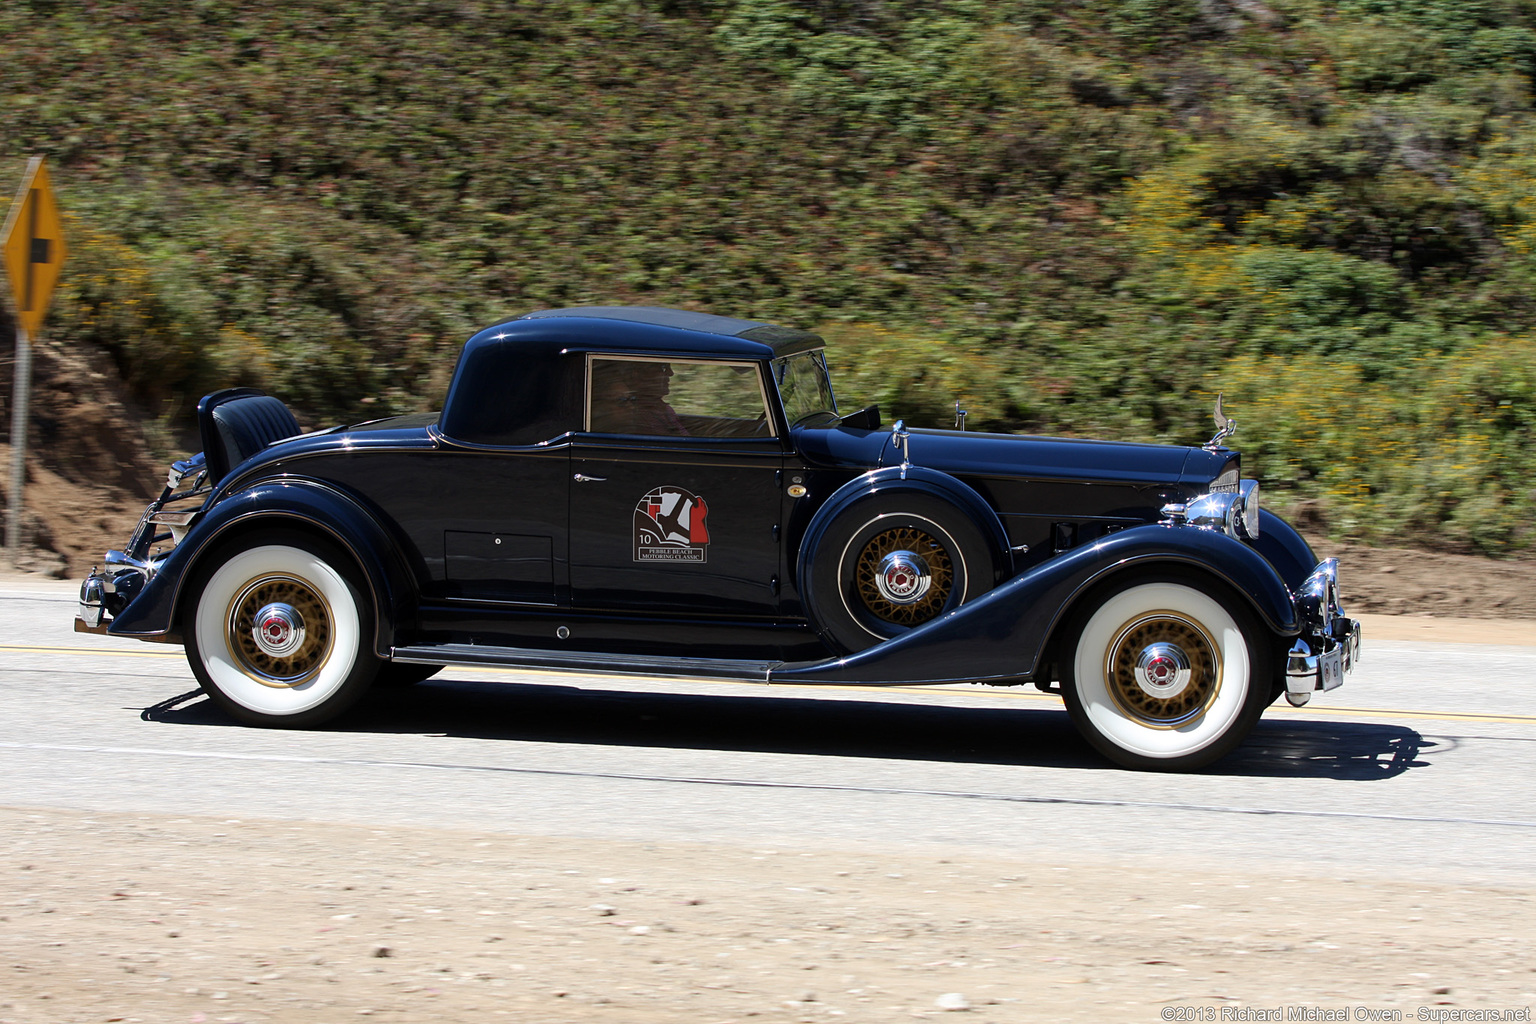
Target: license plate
{"x": 1330, "y": 665}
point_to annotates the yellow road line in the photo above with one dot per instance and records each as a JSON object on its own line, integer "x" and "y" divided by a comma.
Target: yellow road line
{"x": 1024, "y": 693}
{"x": 95, "y": 652}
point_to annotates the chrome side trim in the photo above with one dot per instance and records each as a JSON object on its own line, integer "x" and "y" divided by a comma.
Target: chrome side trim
{"x": 81, "y": 627}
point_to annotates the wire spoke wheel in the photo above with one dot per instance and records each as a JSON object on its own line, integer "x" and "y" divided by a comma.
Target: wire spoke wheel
{"x": 904, "y": 576}
{"x": 888, "y": 562}
{"x": 279, "y": 630}
{"x": 1163, "y": 669}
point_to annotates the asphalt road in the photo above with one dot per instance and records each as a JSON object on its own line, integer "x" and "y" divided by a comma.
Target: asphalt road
{"x": 1422, "y": 766}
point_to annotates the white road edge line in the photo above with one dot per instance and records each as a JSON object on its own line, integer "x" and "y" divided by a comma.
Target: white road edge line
{"x": 762, "y": 784}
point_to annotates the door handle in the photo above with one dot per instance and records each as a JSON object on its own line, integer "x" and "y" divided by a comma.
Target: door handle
{"x": 582, "y": 478}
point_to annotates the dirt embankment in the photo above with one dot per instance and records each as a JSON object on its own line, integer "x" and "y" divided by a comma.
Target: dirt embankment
{"x": 91, "y": 469}
{"x": 1401, "y": 581}
{"x": 89, "y": 465}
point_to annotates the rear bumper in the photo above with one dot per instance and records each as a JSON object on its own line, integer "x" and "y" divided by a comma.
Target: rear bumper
{"x": 91, "y": 616}
{"x": 1329, "y": 646}
{"x": 106, "y": 592}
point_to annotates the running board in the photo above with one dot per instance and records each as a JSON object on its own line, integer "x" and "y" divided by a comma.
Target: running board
{"x": 585, "y": 661}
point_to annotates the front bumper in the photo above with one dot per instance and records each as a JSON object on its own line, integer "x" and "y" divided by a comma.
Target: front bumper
{"x": 1329, "y": 645}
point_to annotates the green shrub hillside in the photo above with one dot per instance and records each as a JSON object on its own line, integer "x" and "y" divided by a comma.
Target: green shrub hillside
{"x": 1082, "y": 217}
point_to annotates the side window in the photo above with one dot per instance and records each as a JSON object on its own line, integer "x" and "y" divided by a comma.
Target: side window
{"x": 513, "y": 395}
{"x": 676, "y": 398}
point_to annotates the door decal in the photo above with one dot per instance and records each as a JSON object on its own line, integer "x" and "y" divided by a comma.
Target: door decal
{"x": 669, "y": 527}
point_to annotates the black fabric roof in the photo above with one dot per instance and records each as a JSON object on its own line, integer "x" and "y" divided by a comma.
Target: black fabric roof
{"x": 783, "y": 340}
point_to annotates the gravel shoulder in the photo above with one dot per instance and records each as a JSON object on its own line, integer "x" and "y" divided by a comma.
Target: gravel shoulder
{"x": 118, "y": 918}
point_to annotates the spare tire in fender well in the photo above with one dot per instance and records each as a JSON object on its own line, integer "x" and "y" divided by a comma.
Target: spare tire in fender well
{"x": 889, "y": 509}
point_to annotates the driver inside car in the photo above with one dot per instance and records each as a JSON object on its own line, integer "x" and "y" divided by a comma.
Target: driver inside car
{"x": 630, "y": 397}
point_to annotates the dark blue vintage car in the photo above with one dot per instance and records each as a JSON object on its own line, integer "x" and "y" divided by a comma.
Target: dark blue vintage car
{"x": 664, "y": 492}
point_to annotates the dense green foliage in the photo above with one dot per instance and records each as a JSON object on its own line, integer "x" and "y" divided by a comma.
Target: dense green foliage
{"x": 1073, "y": 217}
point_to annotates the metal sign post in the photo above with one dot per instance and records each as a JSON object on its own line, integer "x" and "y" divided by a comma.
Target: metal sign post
{"x": 20, "y": 395}
{"x": 32, "y": 243}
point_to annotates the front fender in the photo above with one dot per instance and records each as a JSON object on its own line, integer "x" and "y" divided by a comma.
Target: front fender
{"x": 1285, "y": 549}
{"x": 294, "y": 501}
{"x": 1000, "y": 635}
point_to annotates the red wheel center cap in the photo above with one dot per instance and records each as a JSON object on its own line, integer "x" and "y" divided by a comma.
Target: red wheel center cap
{"x": 902, "y": 577}
{"x": 1161, "y": 671}
{"x": 278, "y": 630}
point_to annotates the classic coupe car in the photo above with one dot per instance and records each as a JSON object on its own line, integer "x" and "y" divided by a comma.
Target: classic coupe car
{"x": 663, "y": 492}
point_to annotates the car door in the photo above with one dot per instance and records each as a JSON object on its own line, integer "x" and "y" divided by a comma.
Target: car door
{"x": 502, "y": 517}
{"x": 488, "y": 508}
{"x": 675, "y": 497}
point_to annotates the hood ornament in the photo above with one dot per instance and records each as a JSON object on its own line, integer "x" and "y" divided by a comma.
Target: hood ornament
{"x": 1225, "y": 427}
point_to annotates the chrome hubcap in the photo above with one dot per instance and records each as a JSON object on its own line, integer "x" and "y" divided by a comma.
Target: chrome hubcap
{"x": 278, "y": 629}
{"x": 903, "y": 577}
{"x": 1162, "y": 671}
{"x": 1163, "y": 668}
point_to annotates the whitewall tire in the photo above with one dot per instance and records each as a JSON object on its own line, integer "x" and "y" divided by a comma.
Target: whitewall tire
{"x": 277, "y": 634}
{"x": 1158, "y": 674}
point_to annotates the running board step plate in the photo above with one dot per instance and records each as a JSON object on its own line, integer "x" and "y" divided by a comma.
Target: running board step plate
{"x": 584, "y": 661}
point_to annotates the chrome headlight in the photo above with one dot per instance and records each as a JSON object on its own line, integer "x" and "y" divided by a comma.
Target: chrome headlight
{"x": 1234, "y": 513}
{"x": 1250, "y": 520}
{"x": 1220, "y": 512}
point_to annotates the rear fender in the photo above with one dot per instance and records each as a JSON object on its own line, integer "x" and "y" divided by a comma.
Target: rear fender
{"x": 1000, "y": 635}
{"x": 286, "y": 502}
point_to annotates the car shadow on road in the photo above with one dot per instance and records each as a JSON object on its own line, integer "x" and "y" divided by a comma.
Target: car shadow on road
{"x": 826, "y": 726}
{"x": 1301, "y": 748}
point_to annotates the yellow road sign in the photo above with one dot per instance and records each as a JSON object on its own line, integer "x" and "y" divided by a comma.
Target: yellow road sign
{"x": 33, "y": 244}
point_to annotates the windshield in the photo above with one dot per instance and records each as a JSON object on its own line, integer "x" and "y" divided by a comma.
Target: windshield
{"x": 804, "y": 386}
